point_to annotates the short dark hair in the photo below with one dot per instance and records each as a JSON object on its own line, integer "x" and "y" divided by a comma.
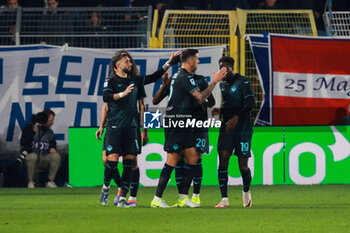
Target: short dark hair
{"x": 187, "y": 53}
{"x": 227, "y": 59}
{"x": 49, "y": 112}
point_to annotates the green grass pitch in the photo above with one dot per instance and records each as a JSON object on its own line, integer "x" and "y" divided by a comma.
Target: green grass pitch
{"x": 318, "y": 208}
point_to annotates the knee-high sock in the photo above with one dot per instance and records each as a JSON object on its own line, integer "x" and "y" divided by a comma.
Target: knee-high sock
{"x": 247, "y": 178}
{"x": 179, "y": 174}
{"x": 110, "y": 168}
{"x": 134, "y": 182}
{"x": 116, "y": 178}
{"x": 127, "y": 166}
{"x": 163, "y": 179}
{"x": 223, "y": 178}
{"x": 187, "y": 180}
{"x": 197, "y": 177}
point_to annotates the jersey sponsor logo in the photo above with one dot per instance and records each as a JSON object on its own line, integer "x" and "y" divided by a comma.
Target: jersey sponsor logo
{"x": 233, "y": 89}
{"x": 105, "y": 84}
{"x": 193, "y": 82}
{"x": 151, "y": 120}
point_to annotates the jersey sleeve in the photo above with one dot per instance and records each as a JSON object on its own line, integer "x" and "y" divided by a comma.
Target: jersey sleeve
{"x": 142, "y": 93}
{"x": 107, "y": 91}
{"x": 188, "y": 84}
{"x": 247, "y": 90}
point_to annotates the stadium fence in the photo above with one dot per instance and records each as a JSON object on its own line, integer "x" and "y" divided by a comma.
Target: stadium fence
{"x": 99, "y": 27}
{"x": 181, "y": 29}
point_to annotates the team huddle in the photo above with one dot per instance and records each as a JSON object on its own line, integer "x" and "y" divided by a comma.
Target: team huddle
{"x": 189, "y": 97}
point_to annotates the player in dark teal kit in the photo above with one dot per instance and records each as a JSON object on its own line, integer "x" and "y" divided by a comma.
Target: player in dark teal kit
{"x": 236, "y": 131}
{"x": 178, "y": 136}
{"x": 201, "y": 134}
{"x": 122, "y": 92}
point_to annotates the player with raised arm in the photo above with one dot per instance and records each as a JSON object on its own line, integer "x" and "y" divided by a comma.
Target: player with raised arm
{"x": 236, "y": 130}
{"x": 202, "y": 140}
{"x": 183, "y": 93}
{"x": 121, "y": 92}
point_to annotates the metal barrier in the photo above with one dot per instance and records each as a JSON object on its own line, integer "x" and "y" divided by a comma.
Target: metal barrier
{"x": 183, "y": 29}
{"x": 203, "y": 28}
{"x": 296, "y": 22}
{"x": 79, "y": 27}
{"x": 338, "y": 24}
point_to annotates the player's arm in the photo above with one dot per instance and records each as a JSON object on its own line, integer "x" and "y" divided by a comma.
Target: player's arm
{"x": 163, "y": 90}
{"x": 210, "y": 102}
{"x": 174, "y": 58}
{"x": 110, "y": 96}
{"x": 203, "y": 95}
{"x": 99, "y": 132}
{"x": 144, "y": 132}
{"x": 249, "y": 104}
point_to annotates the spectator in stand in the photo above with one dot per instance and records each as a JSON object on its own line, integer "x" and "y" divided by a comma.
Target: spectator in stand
{"x": 229, "y": 4}
{"x": 55, "y": 22}
{"x": 38, "y": 148}
{"x": 94, "y": 26}
{"x": 12, "y": 3}
{"x": 269, "y": 5}
{"x": 300, "y": 4}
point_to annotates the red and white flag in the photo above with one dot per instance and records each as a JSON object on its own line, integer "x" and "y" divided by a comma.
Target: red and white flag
{"x": 310, "y": 80}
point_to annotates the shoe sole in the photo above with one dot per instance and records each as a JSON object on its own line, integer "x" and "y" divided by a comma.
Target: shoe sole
{"x": 222, "y": 206}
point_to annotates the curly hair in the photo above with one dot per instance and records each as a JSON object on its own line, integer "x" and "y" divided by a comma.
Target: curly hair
{"x": 117, "y": 57}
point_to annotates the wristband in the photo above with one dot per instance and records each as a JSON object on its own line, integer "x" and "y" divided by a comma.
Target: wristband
{"x": 121, "y": 94}
{"x": 166, "y": 66}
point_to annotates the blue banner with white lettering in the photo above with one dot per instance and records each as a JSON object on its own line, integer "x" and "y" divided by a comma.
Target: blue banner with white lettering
{"x": 70, "y": 82}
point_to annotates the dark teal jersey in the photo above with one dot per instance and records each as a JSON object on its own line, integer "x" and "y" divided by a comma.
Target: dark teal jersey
{"x": 180, "y": 100}
{"x": 202, "y": 83}
{"x": 123, "y": 113}
{"x": 237, "y": 99}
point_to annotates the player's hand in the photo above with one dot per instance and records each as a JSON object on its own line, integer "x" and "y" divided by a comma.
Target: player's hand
{"x": 174, "y": 58}
{"x": 165, "y": 79}
{"x": 99, "y": 133}
{"x": 219, "y": 75}
{"x": 128, "y": 90}
{"x": 144, "y": 137}
{"x": 216, "y": 111}
{"x": 231, "y": 124}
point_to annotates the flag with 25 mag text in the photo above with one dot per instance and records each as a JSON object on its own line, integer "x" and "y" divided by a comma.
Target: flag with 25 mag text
{"x": 310, "y": 79}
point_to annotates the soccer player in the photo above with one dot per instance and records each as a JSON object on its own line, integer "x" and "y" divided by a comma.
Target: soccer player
{"x": 121, "y": 92}
{"x": 236, "y": 130}
{"x": 202, "y": 140}
{"x": 135, "y": 175}
{"x": 183, "y": 92}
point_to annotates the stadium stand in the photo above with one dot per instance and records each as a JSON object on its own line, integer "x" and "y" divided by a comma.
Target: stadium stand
{"x": 121, "y": 27}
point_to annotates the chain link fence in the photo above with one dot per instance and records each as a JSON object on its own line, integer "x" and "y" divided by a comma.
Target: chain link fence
{"x": 79, "y": 27}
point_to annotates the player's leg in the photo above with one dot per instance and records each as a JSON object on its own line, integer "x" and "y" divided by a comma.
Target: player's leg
{"x": 225, "y": 148}
{"x": 224, "y": 158}
{"x": 172, "y": 158}
{"x": 243, "y": 153}
{"x": 247, "y": 178}
{"x": 191, "y": 156}
{"x": 111, "y": 141}
{"x": 134, "y": 184}
{"x": 110, "y": 169}
{"x": 130, "y": 147}
{"x": 179, "y": 171}
{"x": 202, "y": 146}
{"x": 197, "y": 180}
